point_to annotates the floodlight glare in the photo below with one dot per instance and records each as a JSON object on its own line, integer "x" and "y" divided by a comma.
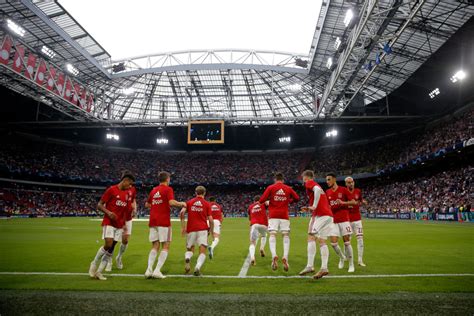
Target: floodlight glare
{"x": 329, "y": 63}
{"x": 285, "y": 139}
{"x": 337, "y": 43}
{"x": 162, "y": 141}
{"x": 434, "y": 93}
{"x": 458, "y": 76}
{"x": 72, "y": 70}
{"x": 48, "y": 52}
{"x": 112, "y": 137}
{"x": 348, "y": 17}
{"x": 15, "y": 28}
{"x": 331, "y": 133}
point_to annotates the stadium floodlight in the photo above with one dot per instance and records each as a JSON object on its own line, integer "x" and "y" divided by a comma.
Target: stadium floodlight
{"x": 72, "y": 70}
{"x": 128, "y": 91}
{"x": 458, "y": 76}
{"x": 348, "y": 17}
{"x": 434, "y": 93}
{"x": 112, "y": 137}
{"x": 17, "y": 29}
{"x": 48, "y": 52}
{"x": 329, "y": 63}
{"x": 162, "y": 141}
{"x": 331, "y": 133}
{"x": 286, "y": 139}
{"x": 337, "y": 43}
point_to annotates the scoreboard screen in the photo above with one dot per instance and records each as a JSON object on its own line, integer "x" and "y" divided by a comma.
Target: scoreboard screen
{"x": 206, "y": 132}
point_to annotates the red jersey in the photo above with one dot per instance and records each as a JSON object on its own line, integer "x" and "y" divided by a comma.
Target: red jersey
{"x": 280, "y": 196}
{"x": 341, "y": 212}
{"x": 354, "y": 210}
{"x": 132, "y": 195}
{"x": 159, "y": 199}
{"x": 322, "y": 209}
{"x": 198, "y": 211}
{"x": 116, "y": 201}
{"x": 258, "y": 214}
{"x": 216, "y": 211}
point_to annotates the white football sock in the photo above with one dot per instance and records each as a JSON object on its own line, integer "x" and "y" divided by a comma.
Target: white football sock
{"x": 252, "y": 251}
{"x": 122, "y": 249}
{"x": 324, "y": 256}
{"x": 272, "y": 242}
{"x": 263, "y": 242}
{"x": 360, "y": 247}
{"x": 100, "y": 253}
{"x": 188, "y": 255}
{"x": 348, "y": 250}
{"x": 337, "y": 249}
{"x": 286, "y": 246}
{"x": 103, "y": 263}
{"x": 161, "y": 260}
{"x": 200, "y": 260}
{"x": 215, "y": 242}
{"x": 311, "y": 253}
{"x": 151, "y": 259}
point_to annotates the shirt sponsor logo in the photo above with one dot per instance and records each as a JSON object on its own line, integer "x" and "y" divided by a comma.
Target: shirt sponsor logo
{"x": 121, "y": 203}
{"x": 280, "y": 192}
{"x": 256, "y": 209}
{"x": 157, "y": 195}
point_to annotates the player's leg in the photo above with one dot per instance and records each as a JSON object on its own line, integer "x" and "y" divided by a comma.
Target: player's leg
{"x": 311, "y": 248}
{"x": 164, "y": 234}
{"x": 253, "y": 241}
{"x": 108, "y": 245}
{"x": 98, "y": 257}
{"x": 127, "y": 232}
{"x": 216, "y": 235}
{"x": 263, "y": 241}
{"x": 108, "y": 268}
{"x": 346, "y": 232}
{"x": 155, "y": 247}
{"x": 359, "y": 232}
{"x": 190, "y": 241}
{"x": 335, "y": 245}
{"x": 285, "y": 230}
{"x": 325, "y": 225}
{"x": 273, "y": 226}
{"x": 202, "y": 241}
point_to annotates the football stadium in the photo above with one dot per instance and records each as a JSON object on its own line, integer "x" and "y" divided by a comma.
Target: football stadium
{"x": 237, "y": 157}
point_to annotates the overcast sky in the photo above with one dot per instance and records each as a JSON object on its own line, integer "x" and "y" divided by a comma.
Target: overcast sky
{"x": 131, "y": 28}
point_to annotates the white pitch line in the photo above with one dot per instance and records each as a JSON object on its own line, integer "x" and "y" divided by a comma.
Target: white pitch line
{"x": 245, "y": 267}
{"x": 368, "y": 276}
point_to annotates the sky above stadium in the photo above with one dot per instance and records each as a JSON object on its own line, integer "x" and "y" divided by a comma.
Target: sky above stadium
{"x": 130, "y": 28}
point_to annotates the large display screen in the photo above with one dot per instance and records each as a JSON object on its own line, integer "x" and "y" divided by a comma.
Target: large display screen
{"x": 206, "y": 132}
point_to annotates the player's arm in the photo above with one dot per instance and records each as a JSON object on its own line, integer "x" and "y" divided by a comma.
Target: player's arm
{"x": 182, "y": 219}
{"x": 175, "y": 203}
{"x": 101, "y": 207}
{"x": 264, "y": 198}
{"x": 317, "y": 195}
{"x": 211, "y": 223}
{"x": 134, "y": 208}
{"x": 294, "y": 196}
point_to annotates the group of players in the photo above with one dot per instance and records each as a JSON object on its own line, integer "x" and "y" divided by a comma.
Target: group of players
{"x": 334, "y": 214}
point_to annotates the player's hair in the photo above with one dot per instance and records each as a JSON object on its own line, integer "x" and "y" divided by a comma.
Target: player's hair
{"x": 127, "y": 174}
{"x": 163, "y": 176}
{"x": 200, "y": 190}
{"x": 212, "y": 199}
{"x": 349, "y": 178}
{"x": 278, "y": 176}
{"x": 308, "y": 173}
{"x": 331, "y": 174}
{"x": 256, "y": 198}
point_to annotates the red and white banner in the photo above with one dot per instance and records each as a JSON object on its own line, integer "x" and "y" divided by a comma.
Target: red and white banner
{"x": 82, "y": 100}
{"x": 59, "y": 84}
{"x": 30, "y": 66}
{"x": 90, "y": 102}
{"x": 18, "y": 59}
{"x": 51, "y": 78}
{"x": 77, "y": 93}
{"x": 40, "y": 75}
{"x": 5, "y": 50}
{"x": 68, "y": 90}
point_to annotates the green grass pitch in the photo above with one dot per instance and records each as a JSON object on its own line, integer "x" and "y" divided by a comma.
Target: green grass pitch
{"x": 391, "y": 247}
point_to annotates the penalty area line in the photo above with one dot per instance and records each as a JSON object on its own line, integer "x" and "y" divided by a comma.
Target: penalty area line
{"x": 367, "y": 276}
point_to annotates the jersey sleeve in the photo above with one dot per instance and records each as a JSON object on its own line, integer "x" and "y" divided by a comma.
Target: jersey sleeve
{"x": 294, "y": 195}
{"x": 107, "y": 195}
{"x": 150, "y": 197}
{"x": 265, "y": 196}
{"x": 170, "y": 194}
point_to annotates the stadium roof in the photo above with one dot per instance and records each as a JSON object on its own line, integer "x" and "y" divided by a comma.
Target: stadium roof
{"x": 241, "y": 86}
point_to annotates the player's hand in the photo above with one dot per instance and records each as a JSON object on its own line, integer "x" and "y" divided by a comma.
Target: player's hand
{"x": 304, "y": 209}
{"x": 338, "y": 201}
{"x": 134, "y": 213}
{"x": 111, "y": 215}
{"x": 311, "y": 208}
{"x": 183, "y": 204}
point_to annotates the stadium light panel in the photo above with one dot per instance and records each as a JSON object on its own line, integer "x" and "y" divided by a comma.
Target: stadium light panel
{"x": 459, "y": 76}
{"x": 18, "y": 30}
{"x": 434, "y": 93}
{"x": 286, "y": 139}
{"x": 331, "y": 133}
{"x": 112, "y": 137}
{"x": 293, "y": 88}
{"x": 48, "y": 52}
{"x": 162, "y": 141}
{"x": 337, "y": 43}
{"x": 348, "y": 17}
{"x": 329, "y": 63}
{"x": 72, "y": 70}
{"x": 128, "y": 91}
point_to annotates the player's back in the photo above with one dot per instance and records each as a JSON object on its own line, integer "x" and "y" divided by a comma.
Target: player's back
{"x": 198, "y": 211}
{"x": 279, "y": 196}
{"x": 354, "y": 210}
{"x": 216, "y": 211}
{"x": 258, "y": 214}
{"x": 322, "y": 208}
{"x": 160, "y": 207}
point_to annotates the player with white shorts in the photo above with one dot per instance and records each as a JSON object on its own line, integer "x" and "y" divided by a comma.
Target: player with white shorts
{"x": 196, "y": 229}
{"x": 160, "y": 200}
{"x": 216, "y": 212}
{"x": 319, "y": 227}
{"x": 356, "y": 218}
{"x": 258, "y": 227}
